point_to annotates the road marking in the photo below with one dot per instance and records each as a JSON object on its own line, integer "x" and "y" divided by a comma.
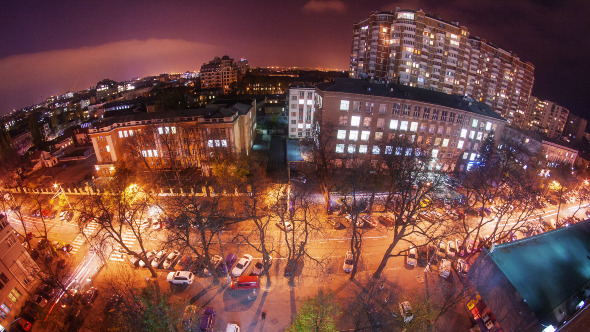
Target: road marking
{"x": 118, "y": 254}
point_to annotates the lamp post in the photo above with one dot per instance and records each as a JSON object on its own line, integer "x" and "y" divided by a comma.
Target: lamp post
{"x": 61, "y": 191}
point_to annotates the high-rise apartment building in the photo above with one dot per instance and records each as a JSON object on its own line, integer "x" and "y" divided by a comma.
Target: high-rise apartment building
{"x": 575, "y": 127}
{"x": 412, "y": 48}
{"x": 301, "y": 102}
{"x": 219, "y": 73}
{"x": 545, "y": 117}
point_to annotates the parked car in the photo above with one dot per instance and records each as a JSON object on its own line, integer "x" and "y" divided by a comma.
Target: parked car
{"x": 159, "y": 259}
{"x": 241, "y": 265}
{"x": 215, "y": 261}
{"x": 245, "y": 282}
{"x": 387, "y": 220}
{"x": 445, "y": 268}
{"x": 157, "y": 224}
{"x": 442, "y": 250}
{"x": 180, "y": 278}
{"x": 286, "y": 225}
{"x": 227, "y": 263}
{"x": 411, "y": 257}
{"x": 369, "y": 220}
{"x": 39, "y": 300}
{"x": 183, "y": 263}
{"x": 335, "y": 223}
{"x": 232, "y": 328}
{"x": 258, "y": 268}
{"x": 133, "y": 259}
{"x": 68, "y": 298}
{"x": 451, "y": 249}
{"x": 348, "y": 262}
{"x": 406, "y": 311}
{"x": 171, "y": 259}
{"x": 89, "y": 296}
{"x": 207, "y": 321}
{"x": 462, "y": 268}
{"x": 47, "y": 291}
{"x": 148, "y": 258}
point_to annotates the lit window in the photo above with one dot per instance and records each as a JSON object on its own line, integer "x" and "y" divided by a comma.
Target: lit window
{"x": 376, "y": 149}
{"x": 488, "y": 126}
{"x": 393, "y": 124}
{"x": 224, "y": 143}
{"x": 460, "y": 145}
{"x": 355, "y": 121}
{"x": 351, "y": 148}
{"x": 344, "y": 104}
{"x": 217, "y": 143}
{"x": 363, "y": 149}
{"x": 404, "y": 126}
{"x": 339, "y": 148}
{"x": 150, "y": 153}
{"x": 378, "y": 135}
{"x": 479, "y": 136}
{"x": 341, "y": 134}
{"x": 143, "y": 153}
{"x": 526, "y": 140}
{"x": 472, "y": 157}
{"x": 14, "y": 295}
{"x": 130, "y": 132}
{"x": 474, "y": 123}
{"x": 465, "y": 155}
{"x": 414, "y": 126}
{"x": 388, "y": 149}
{"x": 408, "y": 151}
{"x": 160, "y": 130}
{"x": 210, "y": 143}
{"x": 354, "y": 135}
{"x": 108, "y": 148}
{"x": 167, "y": 130}
{"x": 445, "y": 143}
{"x": 155, "y": 153}
{"x": 173, "y": 130}
{"x": 365, "y": 134}
{"x": 120, "y": 134}
{"x": 398, "y": 151}
{"x": 434, "y": 153}
{"x": 472, "y": 134}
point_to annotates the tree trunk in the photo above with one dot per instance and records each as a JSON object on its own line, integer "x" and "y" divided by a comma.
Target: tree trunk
{"x": 383, "y": 263}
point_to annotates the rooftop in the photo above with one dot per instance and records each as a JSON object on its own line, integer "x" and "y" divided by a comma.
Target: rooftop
{"x": 391, "y": 90}
{"x": 548, "y": 268}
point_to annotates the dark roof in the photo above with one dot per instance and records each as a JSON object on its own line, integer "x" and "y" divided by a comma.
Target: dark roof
{"x": 548, "y": 268}
{"x": 201, "y": 112}
{"x": 391, "y": 90}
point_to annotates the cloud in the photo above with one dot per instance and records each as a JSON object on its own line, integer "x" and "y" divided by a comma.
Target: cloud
{"x": 30, "y": 78}
{"x": 322, "y": 6}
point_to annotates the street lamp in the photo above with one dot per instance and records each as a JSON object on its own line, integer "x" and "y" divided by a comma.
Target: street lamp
{"x": 61, "y": 191}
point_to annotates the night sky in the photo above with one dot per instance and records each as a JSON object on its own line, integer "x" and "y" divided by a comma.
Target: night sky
{"x": 51, "y": 47}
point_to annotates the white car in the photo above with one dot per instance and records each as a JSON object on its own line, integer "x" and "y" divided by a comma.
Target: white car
{"x": 445, "y": 268}
{"x": 180, "y": 278}
{"x": 170, "y": 259}
{"x": 286, "y": 226}
{"x": 232, "y": 328}
{"x": 348, "y": 262}
{"x": 406, "y": 311}
{"x": 148, "y": 256}
{"x": 242, "y": 265}
{"x": 160, "y": 256}
{"x": 411, "y": 258}
{"x": 451, "y": 249}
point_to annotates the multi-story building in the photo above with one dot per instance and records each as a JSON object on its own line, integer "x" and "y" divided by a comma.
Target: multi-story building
{"x": 182, "y": 138}
{"x": 367, "y": 118}
{"x": 413, "y": 48}
{"x": 219, "y": 73}
{"x": 545, "y": 117}
{"x": 555, "y": 152}
{"x": 17, "y": 270}
{"x": 106, "y": 88}
{"x": 574, "y": 128}
{"x": 301, "y": 111}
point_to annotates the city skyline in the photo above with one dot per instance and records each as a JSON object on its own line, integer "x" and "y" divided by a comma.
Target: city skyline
{"x": 50, "y": 54}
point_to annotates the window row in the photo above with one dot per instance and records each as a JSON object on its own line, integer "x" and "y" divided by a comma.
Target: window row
{"x": 166, "y": 130}
{"x": 217, "y": 143}
{"x": 355, "y": 121}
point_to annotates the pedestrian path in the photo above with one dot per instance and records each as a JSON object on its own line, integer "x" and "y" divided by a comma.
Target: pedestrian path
{"x": 118, "y": 254}
{"x": 89, "y": 230}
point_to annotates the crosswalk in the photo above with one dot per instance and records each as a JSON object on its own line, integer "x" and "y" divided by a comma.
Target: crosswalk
{"x": 118, "y": 254}
{"x": 89, "y": 230}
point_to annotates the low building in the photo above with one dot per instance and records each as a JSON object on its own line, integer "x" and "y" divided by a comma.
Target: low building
{"x": 182, "y": 138}
{"x": 536, "y": 282}
{"x": 556, "y": 152}
{"x": 17, "y": 271}
{"x": 367, "y": 117}
{"x": 22, "y": 141}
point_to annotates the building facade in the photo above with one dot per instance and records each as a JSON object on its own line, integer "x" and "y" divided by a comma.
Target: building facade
{"x": 575, "y": 128}
{"x": 106, "y": 88}
{"x": 413, "y": 48}
{"x": 368, "y": 117}
{"x": 301, "y": 101}
{"x": 545, "y": 117}
{"x": 182, "y": 139}
{"x": 219, "y": 73}
{"x": 555, "y": 152}
{"x": 17, "y": 269}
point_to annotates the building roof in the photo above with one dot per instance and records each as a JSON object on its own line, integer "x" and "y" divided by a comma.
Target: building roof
{"x": 548, "y": 268}
{"x": 210, "y": 113}
{"x": 391, "y": 90}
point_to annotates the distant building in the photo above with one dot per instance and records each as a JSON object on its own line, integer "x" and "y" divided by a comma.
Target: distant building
{"x": 538, "y": 283}
{"x": 366, "y": 118}
{"x": 219, "y": 73}
{"x": 106, "y": 88}
{"x": 575, "y": 128}
{"x": 301, "y": 101}
{"x": 545, "y": 117}
{"x": 17, "y": 271}
{"x": 22, "y": 141}
{"x": 556, "y": 152}
{"x": 182, "y": 138}
{"x": 413, "y": 48}
{"x": 243, "y": 66}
